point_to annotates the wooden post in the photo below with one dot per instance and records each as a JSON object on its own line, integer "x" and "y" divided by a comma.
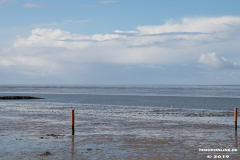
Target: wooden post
{"x": 72, "y": 121}
{"x": 235, "y": 118}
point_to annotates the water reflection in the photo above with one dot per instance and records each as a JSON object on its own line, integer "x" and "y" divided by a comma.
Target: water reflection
{"x": 236, "y": 142}
{"x": 72, "y": 147}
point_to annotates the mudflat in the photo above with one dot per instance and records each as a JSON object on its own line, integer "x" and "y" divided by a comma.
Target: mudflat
{"x": 43, "y": 131}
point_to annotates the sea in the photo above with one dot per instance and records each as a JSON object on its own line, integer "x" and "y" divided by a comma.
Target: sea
{"x": 207, "y": 97}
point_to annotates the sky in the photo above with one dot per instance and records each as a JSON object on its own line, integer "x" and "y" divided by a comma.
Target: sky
{"x": 120, "y": 42}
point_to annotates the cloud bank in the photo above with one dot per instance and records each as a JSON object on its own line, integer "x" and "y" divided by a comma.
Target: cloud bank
{"x": 188, "y": 41}
{"x": 214, "y": 61}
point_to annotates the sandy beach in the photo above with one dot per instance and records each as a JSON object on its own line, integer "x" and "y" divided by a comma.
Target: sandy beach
{"x": 35, "y": 130}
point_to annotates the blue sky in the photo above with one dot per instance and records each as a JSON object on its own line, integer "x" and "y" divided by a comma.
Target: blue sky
{"x": 119, "y": 42}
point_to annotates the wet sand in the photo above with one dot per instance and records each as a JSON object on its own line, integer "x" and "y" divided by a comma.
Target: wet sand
{"x": 43, "y": 131}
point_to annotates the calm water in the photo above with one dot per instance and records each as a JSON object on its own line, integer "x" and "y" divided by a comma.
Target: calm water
{"x": 214, "y": 97}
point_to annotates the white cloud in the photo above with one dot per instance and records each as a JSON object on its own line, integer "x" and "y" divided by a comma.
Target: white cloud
{"x": 29, "y": 60}
{"x": 168, "y": 44}
{"x": 51, "y": 38}
{"x": 5, "y": 1}
{"x": 6, "y": 62}
{"x": 32, "y": 6}
{"x": 214, "y": 61}
{"x": 202, "y": 25}
{"x": 107, "y": 2}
